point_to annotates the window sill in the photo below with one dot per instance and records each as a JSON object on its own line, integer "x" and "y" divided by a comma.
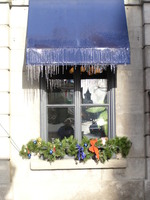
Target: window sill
{"x": 71, "y": 164}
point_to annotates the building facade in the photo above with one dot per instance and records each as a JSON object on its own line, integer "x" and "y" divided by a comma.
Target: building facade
{"x": 20, "y": 120}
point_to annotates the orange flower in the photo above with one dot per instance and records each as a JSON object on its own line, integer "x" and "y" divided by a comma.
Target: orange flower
{"x": 93, "y": 148}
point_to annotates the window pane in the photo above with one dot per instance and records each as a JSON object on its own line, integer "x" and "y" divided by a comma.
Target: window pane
{"x": 95, "y": 122}
{"x": 94, "y": 91}
{"x": 60, "y": 122}
{"x": 62, "y": 92}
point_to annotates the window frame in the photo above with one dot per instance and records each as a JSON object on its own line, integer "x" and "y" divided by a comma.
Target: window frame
{"x": 111, "y": 77}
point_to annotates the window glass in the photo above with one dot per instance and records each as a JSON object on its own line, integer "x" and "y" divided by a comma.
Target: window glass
{"x": 62, "y": 92}
{"x": 94, "y": 121}
{"x": 94, "y": 91}
{"x": 60, "y": 122}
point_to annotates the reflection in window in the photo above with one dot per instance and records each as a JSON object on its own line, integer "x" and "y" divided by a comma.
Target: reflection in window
{"x": 95, "y": 122}
{"x": 94, "y": 91}
{"x": 60, "y": 122}
{"x": 63, "y": 93}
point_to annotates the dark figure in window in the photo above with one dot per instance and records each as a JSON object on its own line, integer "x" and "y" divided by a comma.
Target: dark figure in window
{"x": 66, "y": 130}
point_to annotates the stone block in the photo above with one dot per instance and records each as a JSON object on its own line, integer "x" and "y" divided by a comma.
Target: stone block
{"x": 19, "y": 81}
{"x": 138, "y": 146}
{"x": 147, "y": 56}
{"x": 147, "y": 189}
{"x": 18, "y": 38}
{"x": 131, "y": 102}
{"x": 20, "y": 2}
{"x": 132, "y": 2}
{"x": 134, "y": 16}
{"x": 4, "y": 125}
{"x": 147, "y": 123}
{"x": 135, "y": 37}
{"x": 5, "y": 193}
{"x": 146, "y": 13}
{"x": 130, "y": 124}
{"x": 25, "y": 102}
{"x": 147, "y": 34}
{"x": 5, "y": 1}
{"x": 20, "y": 21}
{"x": 4, "y": 147}
{"x": 129, "y": 79}
{"x": 4, "y": 105}
{"x": 136, "y": 168}
{"x": 17, "y": 60}
{"x": 147, "y": 143}
{"x": 147, "y": 79}
{"x": 4, "y": 58}
{"x": 4, "y": 13}
{"x": 4, "y": 35}
{"x": 136, "y": 60}
{"x": 147, "y": 101}
{"x": 4, "y": 80}
{"x": 148, "y": 169}
{"x": 4, "y": 172}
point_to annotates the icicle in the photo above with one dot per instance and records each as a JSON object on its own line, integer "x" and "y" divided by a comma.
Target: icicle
{"x": 113, "y": 68}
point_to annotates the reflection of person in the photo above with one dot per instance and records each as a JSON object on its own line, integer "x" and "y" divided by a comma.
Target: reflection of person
{"x": 66, "y": 130}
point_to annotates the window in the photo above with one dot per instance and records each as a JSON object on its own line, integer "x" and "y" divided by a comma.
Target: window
{"x": 78, "y": 101}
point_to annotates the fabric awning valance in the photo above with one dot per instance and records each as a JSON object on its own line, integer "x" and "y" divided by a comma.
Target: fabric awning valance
{"x": 77, "y": 32}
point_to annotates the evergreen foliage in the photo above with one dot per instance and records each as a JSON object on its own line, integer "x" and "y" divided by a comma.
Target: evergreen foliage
{"x": 57, "y": 149}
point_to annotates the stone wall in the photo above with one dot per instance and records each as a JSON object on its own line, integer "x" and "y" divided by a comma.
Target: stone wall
{"x": 146, "y": 47}
{"x": 4, "y": 98}
{"x": 20, "y": 116}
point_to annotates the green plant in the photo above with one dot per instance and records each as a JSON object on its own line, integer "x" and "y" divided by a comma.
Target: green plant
{"x": 57, "y": 149}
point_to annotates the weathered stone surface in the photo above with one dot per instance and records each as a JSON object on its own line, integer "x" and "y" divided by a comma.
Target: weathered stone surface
{"x": 147, "y": 79}
{"x": 147, "y": 123}
{"x": 105, "y": 190}
{"x": 134, "y": 16}
{"x": 132, "y": 2}
{"x": 4, "y": 58}
{"x": 4, "y": 128}
{"x": 146, "y": 34}
{"x": 130, "y": 102}
{"x": 136, "y": 60}
{"x": 20, "y": 21}
{"x": 136, "y": 168}
{"x": 4, "y": 35}
{"x": 17, "y": 60}
{"x": 148, "y": 168}
{"x": 135, "y": 37}
{"x": 130, "y": 124}
{"x": 146, "y": 13}
{"x": 20, "y": 2}
{"x": 147, "y": 101}
{"x": 18, "y": 37}
{"x": 147, "y": 189}
{"x": 127, "y": 80}
{"x": 4, "y": 80}
{"x": 4, "y": 147}
{"x": 5, "y": 193}
{"x": 4, "y": 13}
{"x": 4, "y": 172}
{"x": 4, "y": 105}
{"x": 147, "y": 56}
{"x": 147, "y": 138}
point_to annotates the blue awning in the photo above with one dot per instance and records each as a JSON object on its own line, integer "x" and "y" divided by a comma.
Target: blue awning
{"x": 75, "y": 32}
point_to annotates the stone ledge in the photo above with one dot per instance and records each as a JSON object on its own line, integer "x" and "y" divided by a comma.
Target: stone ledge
{"x": 71, "y": 164}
